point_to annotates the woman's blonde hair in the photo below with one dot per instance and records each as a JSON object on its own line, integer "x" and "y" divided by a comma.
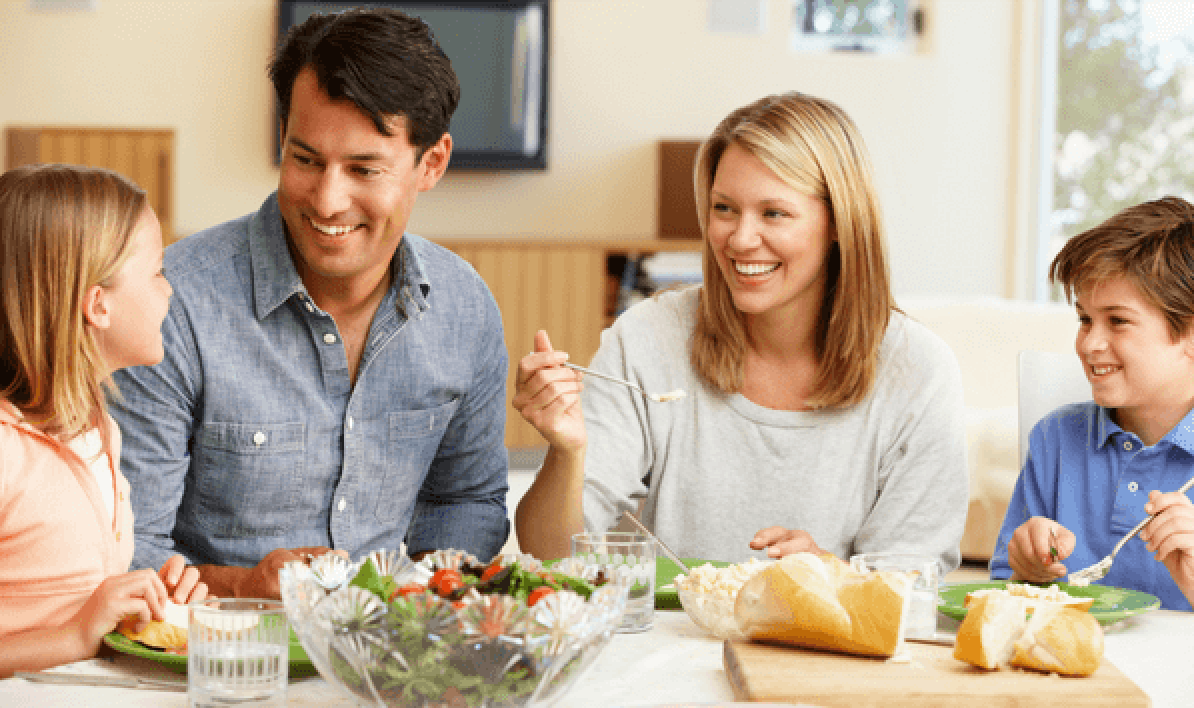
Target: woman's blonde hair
{"x": 812, "y": 145}
{"x": 63, "y": 229}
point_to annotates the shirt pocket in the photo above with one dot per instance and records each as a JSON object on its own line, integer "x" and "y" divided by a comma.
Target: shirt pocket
{"x": 249, "y": 477}
{"x": 413, "y": 439}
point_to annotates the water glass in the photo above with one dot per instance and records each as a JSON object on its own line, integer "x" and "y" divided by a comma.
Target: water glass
{"x": 921, "y": 620}
{"x": 238, "y": 653}
{"x": 628, "y": 558}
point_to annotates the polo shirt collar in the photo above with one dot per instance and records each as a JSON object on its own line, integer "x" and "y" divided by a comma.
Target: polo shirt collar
{"x": 1182, "y": 434}
{"x": 275, "y": 279}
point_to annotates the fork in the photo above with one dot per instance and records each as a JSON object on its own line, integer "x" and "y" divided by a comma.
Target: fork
{"x": 657, "y": 397}
{"x": 1099, "y": 570}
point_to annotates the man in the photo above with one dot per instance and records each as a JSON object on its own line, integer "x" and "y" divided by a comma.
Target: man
{"x": 329, "y": 381}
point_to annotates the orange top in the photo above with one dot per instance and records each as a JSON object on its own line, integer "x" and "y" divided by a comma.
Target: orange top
{"x": 57, "y": 542}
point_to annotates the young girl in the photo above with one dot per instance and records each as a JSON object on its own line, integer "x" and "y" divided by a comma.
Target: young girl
{"x": 1096, "y": 469}
{"x": 81, "y": 295}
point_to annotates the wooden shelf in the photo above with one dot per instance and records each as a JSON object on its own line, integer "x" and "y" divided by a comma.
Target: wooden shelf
{"x": 560, "y": 285}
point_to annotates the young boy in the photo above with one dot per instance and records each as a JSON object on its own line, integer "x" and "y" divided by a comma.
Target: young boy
{"x": 1090, "y": 466}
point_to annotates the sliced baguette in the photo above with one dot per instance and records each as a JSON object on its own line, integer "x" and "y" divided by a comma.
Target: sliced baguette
{"x": 1061, "y": 640}
{"x": 987, "y": 637}
{"x": 823, "y": 604}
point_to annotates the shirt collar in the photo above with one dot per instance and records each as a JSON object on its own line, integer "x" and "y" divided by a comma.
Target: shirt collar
{"x": 1182, "y": 434}
{"x": 1104, "y": 427}
{"x": 275, "y": 279}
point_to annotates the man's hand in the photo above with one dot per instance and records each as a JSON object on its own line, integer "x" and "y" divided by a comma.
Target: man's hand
{"x": 781, "y": 542}
{"x": 262, "y": 579}
{"x": 1037, "y": 549}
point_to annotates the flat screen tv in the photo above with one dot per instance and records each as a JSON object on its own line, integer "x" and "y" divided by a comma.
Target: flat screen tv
{"x": 498, "y": 49}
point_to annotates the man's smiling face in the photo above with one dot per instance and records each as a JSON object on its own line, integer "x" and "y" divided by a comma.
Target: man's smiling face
{"x": 346, "y": 190}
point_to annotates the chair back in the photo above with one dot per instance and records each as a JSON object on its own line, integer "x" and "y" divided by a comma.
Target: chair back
{"x": 1046, "y": 381}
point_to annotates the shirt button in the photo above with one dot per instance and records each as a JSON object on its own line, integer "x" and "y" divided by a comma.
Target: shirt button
{"x": 1128, "y": 445}
{"x": 258, "y": 438}
{"x": 117, "y": 535}
{"x": 1132, "y": 487}
{"x": 310, "y": 307}
{"x": 329, "y": 338}
{"x": 342, "y": 504}
{"x": 350, "y": 422}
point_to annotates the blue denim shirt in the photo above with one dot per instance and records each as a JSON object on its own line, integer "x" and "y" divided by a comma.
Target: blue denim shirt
{"x": 1093, "y": 477}
{"x": 250, "y": 435}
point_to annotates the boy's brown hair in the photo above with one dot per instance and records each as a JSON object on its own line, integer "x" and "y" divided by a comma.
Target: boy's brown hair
{"x": 1151, "y": 245}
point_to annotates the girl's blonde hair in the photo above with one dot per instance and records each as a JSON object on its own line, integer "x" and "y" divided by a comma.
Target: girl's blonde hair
{"x": 812, "y": 145}
{"x": 63, "y": 229}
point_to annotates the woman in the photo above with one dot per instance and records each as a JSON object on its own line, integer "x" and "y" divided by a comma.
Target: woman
{"x": 816, "y": 411}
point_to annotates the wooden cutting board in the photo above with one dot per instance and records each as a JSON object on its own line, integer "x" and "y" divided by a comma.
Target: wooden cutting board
{"x": 763, "y": 672}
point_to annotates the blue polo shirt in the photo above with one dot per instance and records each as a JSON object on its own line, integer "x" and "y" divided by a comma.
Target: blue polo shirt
{"x": 1093, "y": 478}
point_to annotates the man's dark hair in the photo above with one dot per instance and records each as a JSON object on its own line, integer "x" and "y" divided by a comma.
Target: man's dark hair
{"x": 385, "y": 62}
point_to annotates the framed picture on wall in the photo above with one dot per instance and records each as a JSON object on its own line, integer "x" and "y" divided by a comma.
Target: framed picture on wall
{"x": 875, "y": 26}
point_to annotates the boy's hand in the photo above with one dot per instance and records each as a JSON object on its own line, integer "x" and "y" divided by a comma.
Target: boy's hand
{"x": 182, "y": 581}
{"x": 1170, "y": 536}
{"x": 1037, "y": 548}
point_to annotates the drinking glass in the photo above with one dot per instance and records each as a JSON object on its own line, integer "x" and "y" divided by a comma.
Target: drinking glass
{"x": 921, "y": 620}
{"x": 238, "y": 653}
{"x": 627, "y": 558}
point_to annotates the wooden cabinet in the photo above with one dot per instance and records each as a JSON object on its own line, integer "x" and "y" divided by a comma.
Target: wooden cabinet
{"x": 144, "y": 156}
{"x": 561, "y": 286}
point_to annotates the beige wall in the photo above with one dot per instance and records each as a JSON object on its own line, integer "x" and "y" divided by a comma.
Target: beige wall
{"x": 624, "y": 73}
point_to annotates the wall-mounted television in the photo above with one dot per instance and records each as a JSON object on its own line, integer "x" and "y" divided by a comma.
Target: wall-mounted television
{"x": 498, "y": 49}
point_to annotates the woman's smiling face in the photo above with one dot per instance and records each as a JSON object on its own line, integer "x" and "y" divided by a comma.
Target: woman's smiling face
{"x": 771, "y": 240}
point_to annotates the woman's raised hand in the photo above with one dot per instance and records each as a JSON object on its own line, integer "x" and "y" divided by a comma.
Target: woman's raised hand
{"x": 548, "y": 395}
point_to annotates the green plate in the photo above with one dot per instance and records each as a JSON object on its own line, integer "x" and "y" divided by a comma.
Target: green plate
{"x": 665, "y": 572}
{"x": 1111, "y": 604}
{"x": 300, "y": 664}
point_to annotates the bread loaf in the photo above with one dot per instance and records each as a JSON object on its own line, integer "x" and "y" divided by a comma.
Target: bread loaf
{"x": 998, "y": 631}
{"x": 820, "y": 602}
{"x": 168, "y": 634}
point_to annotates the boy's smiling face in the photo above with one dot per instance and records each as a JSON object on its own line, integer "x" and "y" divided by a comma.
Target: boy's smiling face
{"x": 1131, "y": 359}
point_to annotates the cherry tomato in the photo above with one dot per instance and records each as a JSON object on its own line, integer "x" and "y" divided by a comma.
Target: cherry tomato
{"x": 438, "y": 578}
{"x": 493, "y": 569}
{"x": 538, "y": 594}
{"x": 407, "y": 590}
{"x": 449, "y": 584}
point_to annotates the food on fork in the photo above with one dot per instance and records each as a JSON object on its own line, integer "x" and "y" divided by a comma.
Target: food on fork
{"x": 998, "y": 632}
{"x": 822, "y": 603}
{"x": 1035, "y": 596}
{"x": 169, "y": 634}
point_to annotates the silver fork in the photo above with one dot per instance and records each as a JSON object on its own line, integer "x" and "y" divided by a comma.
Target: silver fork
{"x": 1099, "y": 570}
{"x": 657, "y": 397}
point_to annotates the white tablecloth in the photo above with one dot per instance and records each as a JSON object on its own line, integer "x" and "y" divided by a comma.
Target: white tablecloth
{"x": 675, "y": 662}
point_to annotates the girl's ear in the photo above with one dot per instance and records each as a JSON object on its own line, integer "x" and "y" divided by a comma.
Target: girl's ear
{"x": 95, "y": 308}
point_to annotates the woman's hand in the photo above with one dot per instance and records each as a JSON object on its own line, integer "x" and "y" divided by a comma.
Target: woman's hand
{"x": 182, "y": 581}
{"x": 139, "y": 594}
{"x": 548, "y": 396}
{"x": 1170, "y": 536}
{"x": 779, "y": 542}
{"x": 1037, "y": 548}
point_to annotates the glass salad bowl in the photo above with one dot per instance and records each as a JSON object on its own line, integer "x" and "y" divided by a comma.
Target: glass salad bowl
{"x": 449, "y": 630}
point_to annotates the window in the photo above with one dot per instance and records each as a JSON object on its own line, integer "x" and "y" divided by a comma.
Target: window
{"x": 1122, "y": 122}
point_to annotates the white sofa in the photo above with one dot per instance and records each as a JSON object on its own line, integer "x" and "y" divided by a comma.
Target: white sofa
{"x": 986, "y": 335}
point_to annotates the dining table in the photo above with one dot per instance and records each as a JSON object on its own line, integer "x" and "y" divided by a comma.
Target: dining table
{"x": 672, "y": 664}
